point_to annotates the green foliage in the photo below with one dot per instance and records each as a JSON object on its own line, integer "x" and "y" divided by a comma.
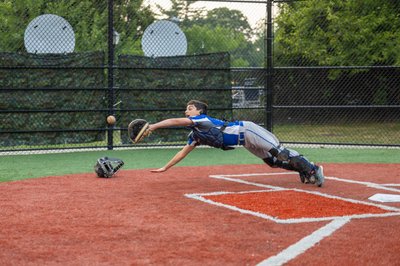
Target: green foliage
{"x": 208, "y": 40}
{"x": 182, "y": 10}
{"x": 205, "y": 39}
{"x": 339, "y": 33}
{"x": 216, "y": 30}
{"x": 230, "y": 19}
{"x": 88, "y": 18}
{"x": 219, "y": 30}
{"x": 131, "y": 18}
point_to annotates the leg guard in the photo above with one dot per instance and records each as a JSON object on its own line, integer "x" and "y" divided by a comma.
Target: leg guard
{"x": 274, "y": 163}
{"x": 281, "y": 155}
{"x": 301, "y": 165}
{"x": 296, "y": 163}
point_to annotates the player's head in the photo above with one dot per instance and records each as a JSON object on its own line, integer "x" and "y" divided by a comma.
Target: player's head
{"x": 195, "y": 107}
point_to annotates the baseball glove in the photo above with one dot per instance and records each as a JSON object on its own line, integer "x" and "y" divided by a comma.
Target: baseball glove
{"x": 138, "y": 129}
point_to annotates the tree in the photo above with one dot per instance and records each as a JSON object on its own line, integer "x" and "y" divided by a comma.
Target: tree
{"x": 233, "y": 20}
{"x": 182, "y": 10}
{"x": 339, "y": 32}
{"x": 205, "y": 39}
{"x": 216, "y": 30}
{"x": 88, "y": 18}
{"x": 131, "y": 19}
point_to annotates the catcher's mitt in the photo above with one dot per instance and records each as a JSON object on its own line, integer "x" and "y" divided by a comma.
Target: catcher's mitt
{"x": 107, "y": 167}
{"x": 138, "y": 129}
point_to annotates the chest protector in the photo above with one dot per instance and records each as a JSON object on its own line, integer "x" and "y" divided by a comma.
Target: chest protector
{"x": 214, "y": 137}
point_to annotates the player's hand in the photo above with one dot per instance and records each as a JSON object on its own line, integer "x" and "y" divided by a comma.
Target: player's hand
{"x": 159, "y": 170}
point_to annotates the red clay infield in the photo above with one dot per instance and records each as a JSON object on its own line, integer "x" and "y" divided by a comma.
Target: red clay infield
{"x": 186, "y": 217}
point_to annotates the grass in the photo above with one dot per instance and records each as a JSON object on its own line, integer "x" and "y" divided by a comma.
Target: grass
{"x": 17, "y": 167}
{"x": 365, "y": 133}
{"x": 361, "y": 133}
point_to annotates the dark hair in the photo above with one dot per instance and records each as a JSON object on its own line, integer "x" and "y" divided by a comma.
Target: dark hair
{"x": 199, "y": 106}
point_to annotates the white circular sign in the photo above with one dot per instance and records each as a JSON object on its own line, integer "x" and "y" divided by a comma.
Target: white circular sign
{"x": 164, "y": 38}
{"x": 49, "y": 34}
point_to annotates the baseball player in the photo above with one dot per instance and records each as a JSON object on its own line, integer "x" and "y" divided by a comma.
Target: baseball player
{"x": 210, "y": 131}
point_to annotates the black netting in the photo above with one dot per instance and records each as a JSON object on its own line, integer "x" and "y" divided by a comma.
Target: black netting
{"x": 336, "y": 72}
{"x": 357, "y": 106}
{"x": 159, "y": 88}
{"x": 45, "y": 100}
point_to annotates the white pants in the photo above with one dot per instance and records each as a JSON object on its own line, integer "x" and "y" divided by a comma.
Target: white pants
{"x": 260, "y": 141}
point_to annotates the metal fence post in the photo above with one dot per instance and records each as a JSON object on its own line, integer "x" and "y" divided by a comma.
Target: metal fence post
{"x": 110, "y": 73}
{"x": 268, "y": 68}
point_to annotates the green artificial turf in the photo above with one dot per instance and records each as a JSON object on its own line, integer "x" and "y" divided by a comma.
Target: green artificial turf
{"x": 16, "y": 167}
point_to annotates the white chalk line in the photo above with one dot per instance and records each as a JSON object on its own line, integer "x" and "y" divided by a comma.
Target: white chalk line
{"x": 201, "y": 197}
{"x": 309, "y": 241}
{"x": 385, "y": 207}
{"x": 388, "y": 187}
{"x": 367, "y": 184}
{"x": 245, "y": 182}
{"x": 391, "y": 185}
{"x": 304, "y": 244}
{"x": 259, "y": 174}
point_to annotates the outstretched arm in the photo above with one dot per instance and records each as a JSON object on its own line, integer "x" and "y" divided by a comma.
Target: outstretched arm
{"x": 176, "y": 159}
{"x": 172, "y": 122}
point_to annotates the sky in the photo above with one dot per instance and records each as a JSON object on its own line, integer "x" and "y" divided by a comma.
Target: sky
{"x": 253, "y": 11}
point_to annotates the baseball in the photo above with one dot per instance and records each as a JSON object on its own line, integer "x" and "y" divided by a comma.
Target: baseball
{"x": 111, "y": 120}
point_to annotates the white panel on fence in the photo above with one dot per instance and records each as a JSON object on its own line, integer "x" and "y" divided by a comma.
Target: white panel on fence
{"x": 49, "y": 34}
{"x": 164, "y": 38}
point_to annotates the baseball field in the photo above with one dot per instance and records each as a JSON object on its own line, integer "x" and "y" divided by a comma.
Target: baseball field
{"x": 214, "y": 208}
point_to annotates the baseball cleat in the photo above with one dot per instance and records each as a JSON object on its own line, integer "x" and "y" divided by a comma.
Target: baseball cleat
{"x": 319, "y": 175}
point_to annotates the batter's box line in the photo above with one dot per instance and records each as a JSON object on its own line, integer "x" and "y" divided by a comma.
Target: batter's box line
{"x": 368, "y": 184}
{"x": 200, "y": 197}
{"x": 387, "y": 187}
{"x": 237, "y": 180}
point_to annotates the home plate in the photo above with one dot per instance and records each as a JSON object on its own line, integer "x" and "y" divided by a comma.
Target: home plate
{"x": 385, "y": 197}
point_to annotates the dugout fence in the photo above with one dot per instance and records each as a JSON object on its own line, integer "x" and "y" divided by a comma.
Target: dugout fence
{"x": 299, "y": 69}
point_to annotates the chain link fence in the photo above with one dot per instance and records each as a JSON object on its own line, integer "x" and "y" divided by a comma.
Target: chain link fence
{"x": 336, "y": 72}
{"x": 314, "y": 72}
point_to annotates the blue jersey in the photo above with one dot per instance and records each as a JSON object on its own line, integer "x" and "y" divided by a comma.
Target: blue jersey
{"x": 233, "y": 132}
